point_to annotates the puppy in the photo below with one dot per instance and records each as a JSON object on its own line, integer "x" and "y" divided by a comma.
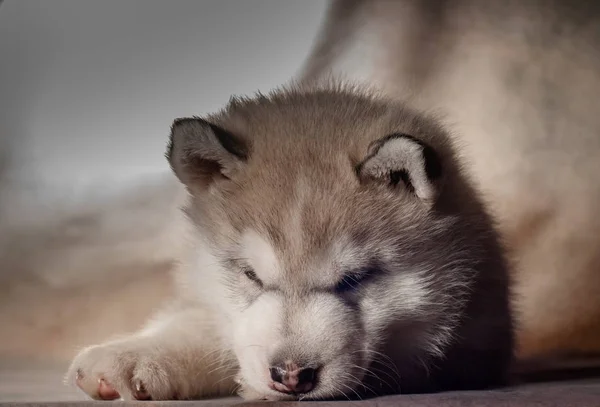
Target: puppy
{"x": 336, "y": 250}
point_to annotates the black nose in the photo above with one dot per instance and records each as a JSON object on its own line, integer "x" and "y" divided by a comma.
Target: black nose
{"x": 293, "y": 380}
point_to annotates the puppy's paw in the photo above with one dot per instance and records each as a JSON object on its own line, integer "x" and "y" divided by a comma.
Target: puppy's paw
{"x": 249, "y": 394}
{"x": 134, "y": 369}
{"x": 246, "y": 392}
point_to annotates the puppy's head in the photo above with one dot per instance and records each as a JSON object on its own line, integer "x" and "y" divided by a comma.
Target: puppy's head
{"x": 327, "y": 221}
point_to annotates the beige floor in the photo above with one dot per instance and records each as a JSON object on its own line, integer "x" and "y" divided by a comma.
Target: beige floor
{"x": 43, "y": 384}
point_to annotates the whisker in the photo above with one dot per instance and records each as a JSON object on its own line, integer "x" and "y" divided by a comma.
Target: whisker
{"x": 221, "y": 360}
{"x": 337, "y": 389}
{"x": 387, "y": 362}
{"x": 351, "y": 389}
{"x": 395, "y": 378}
{"x": 219, "y": 368}
{"x": 224, "y": 378}
{"x": 209, "y": 354}
{"x": 356, "y": 381}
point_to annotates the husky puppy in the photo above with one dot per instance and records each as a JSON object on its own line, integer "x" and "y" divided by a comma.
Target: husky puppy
{"x": 336, "y": 249}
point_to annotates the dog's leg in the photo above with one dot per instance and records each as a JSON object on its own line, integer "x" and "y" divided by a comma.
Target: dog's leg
{"x": 179, "y": 355}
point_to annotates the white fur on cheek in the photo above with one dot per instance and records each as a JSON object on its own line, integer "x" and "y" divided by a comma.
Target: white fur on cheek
{"x": 404, "y": 295}
{"x": 261, "y": 256}
{"x": 256, "y": 334}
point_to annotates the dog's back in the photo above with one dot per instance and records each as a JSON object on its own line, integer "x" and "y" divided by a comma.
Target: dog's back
{"x": 519, "y": 82}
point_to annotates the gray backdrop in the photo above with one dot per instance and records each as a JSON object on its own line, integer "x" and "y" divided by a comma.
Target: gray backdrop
{"x": 88, "y": 88}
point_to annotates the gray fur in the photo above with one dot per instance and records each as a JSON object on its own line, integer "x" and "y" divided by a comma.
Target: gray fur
{"x": 518, "y": 82}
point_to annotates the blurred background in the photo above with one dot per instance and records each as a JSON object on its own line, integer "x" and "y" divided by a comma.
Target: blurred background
{"x": 88, "y": 89}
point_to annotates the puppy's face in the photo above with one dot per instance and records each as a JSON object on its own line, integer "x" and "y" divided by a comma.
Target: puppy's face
{"x": 328, "y": 229}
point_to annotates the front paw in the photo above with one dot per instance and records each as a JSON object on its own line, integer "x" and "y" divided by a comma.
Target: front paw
{"x": 134, "y": 369}
{"x": 249, "y": 394}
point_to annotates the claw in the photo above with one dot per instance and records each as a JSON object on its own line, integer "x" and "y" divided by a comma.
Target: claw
{"x": 140, "y": 391}
{"x": 78, "y": 376}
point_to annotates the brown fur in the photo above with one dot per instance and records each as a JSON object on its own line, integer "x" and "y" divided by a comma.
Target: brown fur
{"x": 291, "y": 195}
{"x": 519, "y": 82}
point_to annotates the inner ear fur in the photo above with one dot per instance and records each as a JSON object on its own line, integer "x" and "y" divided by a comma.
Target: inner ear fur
{"x": 201, "y": 152}
{"x": 403, "y": 161}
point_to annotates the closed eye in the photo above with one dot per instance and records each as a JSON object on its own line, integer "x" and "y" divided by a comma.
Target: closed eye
{"x": 348, "y": 283}
{"x": 353, "y": 281}
{"x": 251, "y": 275}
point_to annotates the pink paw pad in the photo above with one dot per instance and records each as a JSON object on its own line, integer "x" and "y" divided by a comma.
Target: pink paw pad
{"x": 104, "y": 392}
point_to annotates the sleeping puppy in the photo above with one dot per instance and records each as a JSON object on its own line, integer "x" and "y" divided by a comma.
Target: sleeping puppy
{"x": 336, "y": 250}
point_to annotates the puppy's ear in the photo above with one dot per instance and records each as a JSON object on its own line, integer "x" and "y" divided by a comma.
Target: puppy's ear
{"x": 402, "y": 161}
{"x": 200, "y": 152}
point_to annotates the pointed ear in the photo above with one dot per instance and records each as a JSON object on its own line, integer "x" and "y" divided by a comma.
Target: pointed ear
{"x": 200, "y": 152}
{"x": 400, "y": 160}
